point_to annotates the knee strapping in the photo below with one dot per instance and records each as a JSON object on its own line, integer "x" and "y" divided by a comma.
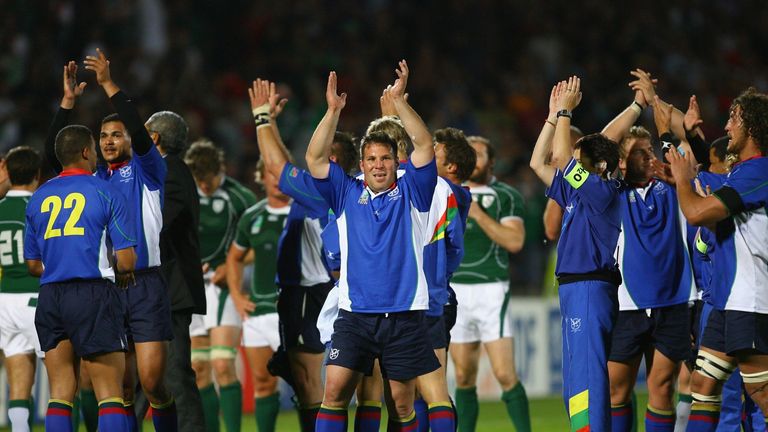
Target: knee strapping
{"x": 700, "y": 398}
{"x": 221, "y": 352}
{"x": 201, "y": 355}
{"x": 755, "y": 378}
{"x": 714, "y": 367}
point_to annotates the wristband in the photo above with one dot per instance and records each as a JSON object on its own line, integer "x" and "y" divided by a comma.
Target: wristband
{"x": 636, "y": 107}
{"x": 550, "y": 122}
{"x": 564, "y": 113}
{"x": 261, "y": 115}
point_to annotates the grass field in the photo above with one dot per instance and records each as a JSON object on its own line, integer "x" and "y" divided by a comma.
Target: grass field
{"x": 547, "y": 415}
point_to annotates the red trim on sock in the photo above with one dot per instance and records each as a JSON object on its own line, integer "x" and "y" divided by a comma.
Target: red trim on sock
{"x": 59, "y": 412}
{"x": 112, "y": 410}
{"x": 330, "y": 417}
{"x": 584, "y": 429}
{"x": 704, "y": 418}
{"x": 441, "y": 415}
{"x": 621, "y": 412}
{"x": 410, "y": 427}
{"x": 368, "y": 415}
{"x": 659, "y": 419}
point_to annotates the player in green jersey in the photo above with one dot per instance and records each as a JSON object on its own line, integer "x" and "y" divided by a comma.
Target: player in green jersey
{"x": 216, "y": 335}
{"x": 18, "y": 290}
{"x": 494, "y": 230}
{"x": 259, "y": 230}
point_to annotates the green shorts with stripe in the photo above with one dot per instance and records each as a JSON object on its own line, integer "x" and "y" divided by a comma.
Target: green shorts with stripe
{"x": 483, "y": 312}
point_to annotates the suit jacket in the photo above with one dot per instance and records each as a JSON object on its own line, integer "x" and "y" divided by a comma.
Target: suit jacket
{"x": 179, "y": 244}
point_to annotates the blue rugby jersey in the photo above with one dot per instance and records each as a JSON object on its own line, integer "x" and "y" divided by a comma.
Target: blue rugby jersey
{"x": 591, "y": 220}
{"x": 141, "y": 180}
{"x": 382, "y": 238}
{"x": 300, "y": 249}
{"x": 740, "y": 275}
{"x": 71, "y": 220}
{"x": 702, "y": 243}
{"x": 445, "y": 248}
{"x": 652, "y": 252}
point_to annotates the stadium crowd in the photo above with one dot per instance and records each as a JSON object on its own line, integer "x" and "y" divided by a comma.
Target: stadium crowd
{"x": 369, "y": 261}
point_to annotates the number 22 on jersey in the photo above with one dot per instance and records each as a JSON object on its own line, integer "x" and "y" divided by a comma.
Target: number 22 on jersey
{"x": 53, "y": 204}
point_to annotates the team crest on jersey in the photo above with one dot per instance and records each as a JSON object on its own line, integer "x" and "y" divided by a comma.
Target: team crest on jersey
{"x": 256, "y": 225}
{"x": 569, "y": 208}
{"x": 363, "y": 197}
{"x": 294, "y": 172}
{"x": 218, "y": 206}
{"x": 334, "y": 354}
{"x": 394, "y": 194}
{"x": 632, "y": 197}
{"x": 125, "y": 171}
{"x": 487, "y": 200}
{"x": 575, "y": 325}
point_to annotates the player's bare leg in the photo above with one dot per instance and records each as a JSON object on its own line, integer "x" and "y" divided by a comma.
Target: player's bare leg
{"x": 433, "y": 388}
{"x": 501, "y": 354}
{"x": 201, "y": 364}
{"x": 466, "y": 358}
{"x": 622, "y": 377}
{"x": 20, "y": 370}
{"x": 662, "y": 372}
{"x": 754, "y": 372}
{"x": 340, "y": 384}
{"x": 369, "y": 393}
{"x": 224, "y": 343}
{"x": 713, "y": 368}
{"x": 63, "y": 368}
{"x": 150, "y": 364}
{"x": 264, "y": 388}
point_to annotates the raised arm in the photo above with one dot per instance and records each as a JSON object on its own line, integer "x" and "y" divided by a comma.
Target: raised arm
{"x": 423, "y": 147}
{"x": 273, "y": 152}
{"x": 643, "y": 86}
{"x": 698, "y": 210}
{"x": 543, "y": 148}
{"x": 140, "y": 140}
{"x": 567, "y": 101}
{"x": 319, "y": 149}
{"x": 72, "y": 90}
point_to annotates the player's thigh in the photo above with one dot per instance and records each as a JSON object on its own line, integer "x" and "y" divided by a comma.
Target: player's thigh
{"x": 371, "y": 387}
{"x": 228, "y": 336}
{"x": 20, "y": 371}
{"x": 466, "y": 358}
{"x": 501, "y": 354}
{"x": 62, "y": 368}
{"x": 340, "y": 384}
{"x": 106, "y": 372}
{"x": 621, "y": 377}
{"x": 662, "y": 372}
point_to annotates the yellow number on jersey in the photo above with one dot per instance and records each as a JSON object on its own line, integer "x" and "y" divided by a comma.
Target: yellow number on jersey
{"x": 53, "y": 204}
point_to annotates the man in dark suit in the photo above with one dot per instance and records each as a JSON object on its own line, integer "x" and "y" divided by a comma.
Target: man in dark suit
{"x": 180, "y": 258}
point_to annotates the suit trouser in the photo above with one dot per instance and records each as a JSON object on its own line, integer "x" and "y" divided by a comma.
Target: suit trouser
{"x": 180, "y": 378}
{"x": 589, "y": 310}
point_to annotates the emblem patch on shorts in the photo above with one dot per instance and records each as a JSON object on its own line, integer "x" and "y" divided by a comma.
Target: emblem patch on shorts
{"x": 334, "y": 354}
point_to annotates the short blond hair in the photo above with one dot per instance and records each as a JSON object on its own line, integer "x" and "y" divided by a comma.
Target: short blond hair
{"x": 393, "y": 127}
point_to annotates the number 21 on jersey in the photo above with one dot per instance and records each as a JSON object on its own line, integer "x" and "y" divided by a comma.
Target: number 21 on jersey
{"x": 53, "y": 204}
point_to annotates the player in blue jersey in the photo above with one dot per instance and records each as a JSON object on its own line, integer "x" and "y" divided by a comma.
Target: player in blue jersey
{"x": 382, "y": 230}
{"x": 74, "y": 221}
{"x": 137, "y": 169}
{"x": 580, "y": 181}
{"x": 302, "y": 275}
{"x": 736, "y": 333}
{"x": 18, "y": 289}
{"x": 657, "y": 284}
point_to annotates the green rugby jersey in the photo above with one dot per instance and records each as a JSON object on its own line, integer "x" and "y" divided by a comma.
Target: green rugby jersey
{"x": 219, "y": 214}
{"x": 485, "y": 261}
{"x": 259, "y": 229}
{"x": 14, "y": 277}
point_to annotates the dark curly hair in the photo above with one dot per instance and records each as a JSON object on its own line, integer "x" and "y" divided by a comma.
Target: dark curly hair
{"x": 754, "y": 114}
{"x": 345, "y": 151}
{"x": 457, "y": 151}
{"x": 599, "y": 148}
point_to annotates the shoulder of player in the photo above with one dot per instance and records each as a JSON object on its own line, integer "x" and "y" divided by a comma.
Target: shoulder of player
{"x": 259, "y": 207}
{"x": 505, "y": 191}
{"x": 237, "y": 191}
